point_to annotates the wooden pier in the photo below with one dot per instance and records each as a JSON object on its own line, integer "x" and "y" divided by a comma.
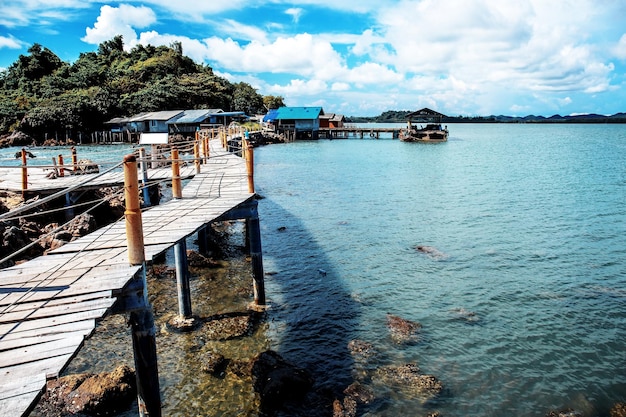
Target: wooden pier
{"x": 49, "y": 305}
{"x": 358, "y": 132}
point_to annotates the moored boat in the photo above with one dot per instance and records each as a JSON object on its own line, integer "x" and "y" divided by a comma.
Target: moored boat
{"x": 432, "y": 132}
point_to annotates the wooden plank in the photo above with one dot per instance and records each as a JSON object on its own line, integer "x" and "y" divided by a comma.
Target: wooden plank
{"x": 12, "y": 387}
{"x": 27, "y": 304}
{"x": 57, "y": 310}
{"x": 22, "y": 342}
{"x": 51, "y": 331}
{"x": 51, "y": 367}
{"x": 50, "y": 321}
{"x": 67, "y": 346}
{"x": 19, "y": 405}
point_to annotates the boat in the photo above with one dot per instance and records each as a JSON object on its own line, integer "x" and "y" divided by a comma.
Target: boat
{"x": 433, "y": 132}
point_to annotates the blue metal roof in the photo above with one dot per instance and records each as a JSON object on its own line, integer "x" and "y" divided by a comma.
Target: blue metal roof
{"x": 300, "y": 113}
{"x": 271, "y": 115}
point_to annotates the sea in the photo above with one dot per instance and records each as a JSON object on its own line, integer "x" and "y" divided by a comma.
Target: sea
{"x": 507, "y": 244}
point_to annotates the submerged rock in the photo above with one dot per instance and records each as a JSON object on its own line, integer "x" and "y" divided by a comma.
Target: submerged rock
{"x": 402, "y": 330}
{"x": 214, "y": 363}
{"x": 432, "y": 252}
{"x": 104, "y": 394}
{"x": 618, "y": 410}
{"x": 410, "y": 380}
{"x": 227, "y": 327}
{"x": 278, "y": 381}
{"x": 360, "y": 350}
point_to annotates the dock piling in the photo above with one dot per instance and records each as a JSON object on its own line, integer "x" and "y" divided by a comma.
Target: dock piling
{"x": 182, "y": 279}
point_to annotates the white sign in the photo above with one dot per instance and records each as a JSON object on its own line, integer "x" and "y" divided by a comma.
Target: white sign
{"x": 153, "y": 139}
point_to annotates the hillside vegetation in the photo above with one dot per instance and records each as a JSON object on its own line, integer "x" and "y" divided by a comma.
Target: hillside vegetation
{"x": 40, "y": 95}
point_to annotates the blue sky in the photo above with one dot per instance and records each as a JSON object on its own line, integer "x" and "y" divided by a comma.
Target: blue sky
{"x": 356, "y": 57}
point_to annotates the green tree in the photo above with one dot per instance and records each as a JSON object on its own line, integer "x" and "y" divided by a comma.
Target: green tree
{"x": 273, "y": 102}
{"x": 246, "y": 99}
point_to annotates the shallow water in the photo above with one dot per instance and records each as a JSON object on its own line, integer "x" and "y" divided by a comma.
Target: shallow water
{"x": 522, "y": 297}
{"x": 527, "y": 226}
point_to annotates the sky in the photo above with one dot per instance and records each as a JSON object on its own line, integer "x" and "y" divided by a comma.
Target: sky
{"x": 360, "y": 58}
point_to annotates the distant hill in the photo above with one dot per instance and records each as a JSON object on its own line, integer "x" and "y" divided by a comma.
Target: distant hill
{"x": 394, "y": 116}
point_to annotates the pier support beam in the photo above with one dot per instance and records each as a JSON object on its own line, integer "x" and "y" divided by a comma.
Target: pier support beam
{"x": 182, "y": 279}
{"x": 141, "y": 317}
{"x": 249, "y": 212}
{"x": 202, "y": 241}
{"x": 256, "y": 255}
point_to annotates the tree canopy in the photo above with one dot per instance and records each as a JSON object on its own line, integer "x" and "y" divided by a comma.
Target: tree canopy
{"x": 40, "y": 94}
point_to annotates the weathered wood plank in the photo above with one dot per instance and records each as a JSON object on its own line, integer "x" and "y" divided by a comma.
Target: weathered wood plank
{"x": 26, "y": 354}
{"x": 22, "y": 342}
{"x": 51, "y": 367}
{"x": 50, "y": 321}
{"x": 57, "y": 310}
{"x": 51, "y": 331}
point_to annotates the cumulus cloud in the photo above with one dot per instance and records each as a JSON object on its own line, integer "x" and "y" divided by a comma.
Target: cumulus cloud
{"x": 120, "y": 20}
{"x": 10, "y": 42}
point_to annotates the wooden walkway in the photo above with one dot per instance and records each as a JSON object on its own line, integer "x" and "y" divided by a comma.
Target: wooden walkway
{"x": 38, "y": 181}
{"x": 50, "y": 304}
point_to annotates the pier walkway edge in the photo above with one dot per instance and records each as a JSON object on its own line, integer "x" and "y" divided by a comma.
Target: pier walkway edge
{"x": 50, "y": 304}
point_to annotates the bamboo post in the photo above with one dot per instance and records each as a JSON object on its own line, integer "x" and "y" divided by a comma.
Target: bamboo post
{"x": 196, "y": 156}
{"x": 134, "y": 227}
{"x": 61, "y": 169}
{"x": 177, "y": 191}
{"x": 24, "y": 174}
{"x": 74, "y": 160}
{"x": 249, "y": 156}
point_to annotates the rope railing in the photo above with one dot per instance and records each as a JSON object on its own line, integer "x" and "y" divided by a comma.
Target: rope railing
{"x": 219, "y": 181}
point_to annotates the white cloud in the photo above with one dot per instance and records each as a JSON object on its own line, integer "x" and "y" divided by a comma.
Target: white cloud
{"x": 120, "y": 20}
{"x": 300, "y": 87}
{"x": 619, "y": 50}
{"x": 301, "y": 54}
{"x": 295, "y": 13}
{"x": 11, "y": 42}
{"x": 237, "y": 30}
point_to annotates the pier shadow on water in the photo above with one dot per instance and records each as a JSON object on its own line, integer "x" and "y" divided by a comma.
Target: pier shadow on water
{"x": 312, "y": 317}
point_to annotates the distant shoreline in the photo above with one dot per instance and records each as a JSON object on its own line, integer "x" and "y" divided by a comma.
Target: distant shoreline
{"x": 399, "y": 117}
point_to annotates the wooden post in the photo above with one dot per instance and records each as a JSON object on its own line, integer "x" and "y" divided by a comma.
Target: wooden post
{"x": 206, "y": 149}
{"x": 182, "y": 279}
{"x": 144, "y": 177}
{"x": 177, "y": 191}
{"x": 202, "y": 241}
{"x": 146, "y": 365}
{"x": 249, "y": 156}
{"x": 196, "y": 156}
{"x": 61, "y": 169}
{"x": 24, "y": 174}
{"x": 141, "y": 319}
{"x": 74, "y": 160}
{"x": 256, "y": 255}
{"x": 134, "y": 227}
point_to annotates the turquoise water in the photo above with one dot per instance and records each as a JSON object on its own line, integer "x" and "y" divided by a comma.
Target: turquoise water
{"x": 523, "y": 302}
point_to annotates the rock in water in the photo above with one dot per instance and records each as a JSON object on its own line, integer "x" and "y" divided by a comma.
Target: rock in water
{"x": 278, "y": 381}
{"x": 402, "y": 330}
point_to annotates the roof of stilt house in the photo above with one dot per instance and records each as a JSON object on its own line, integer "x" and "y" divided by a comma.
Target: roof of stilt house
{"x": 425, "y": 113}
